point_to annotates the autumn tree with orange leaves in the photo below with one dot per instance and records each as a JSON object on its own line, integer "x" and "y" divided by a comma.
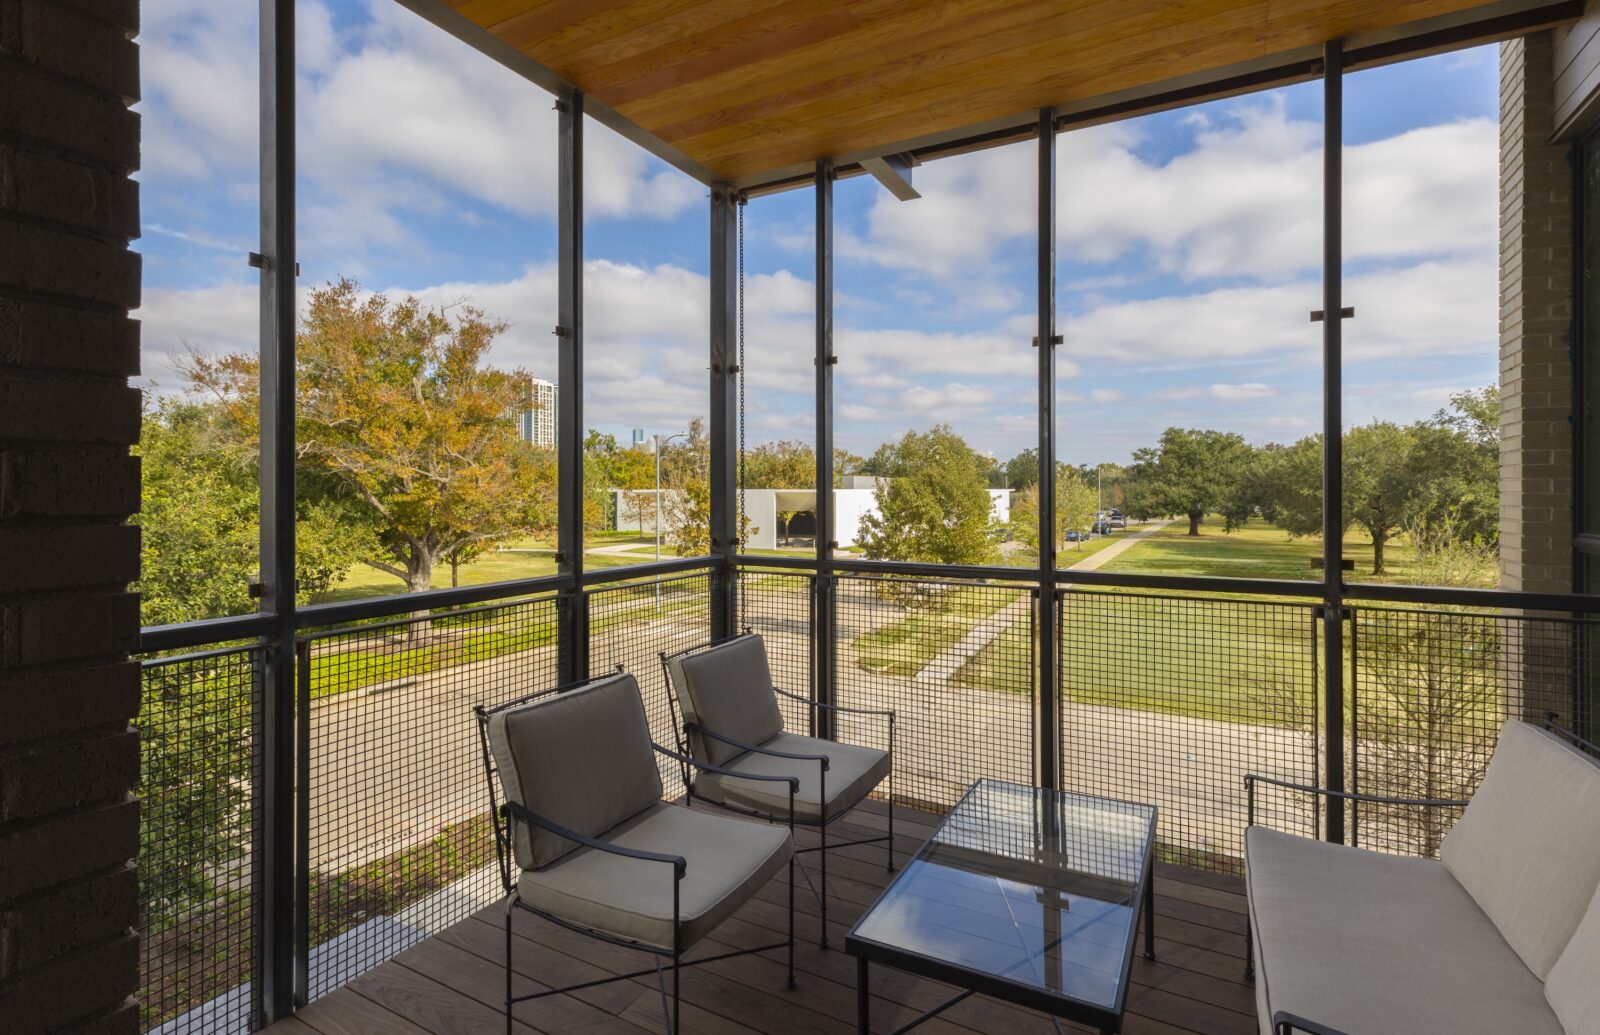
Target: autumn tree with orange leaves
{"x": 397, "y": 411}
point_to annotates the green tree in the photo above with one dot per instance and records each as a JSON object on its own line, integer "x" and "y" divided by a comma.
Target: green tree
{"x": 1384, "y": 475}
{"x": 1022, "y": 470}
{"x": 200, "y": 526}
{"x": 1075, "y": 509}
{"x": 397, "y": 409}
{"x": 845, "y": 464}
{"x": 1192, "y": 472}
{"x": 780, "y": 465}
{"x": 934, "y": 505}
{"x": 606, "y": 468}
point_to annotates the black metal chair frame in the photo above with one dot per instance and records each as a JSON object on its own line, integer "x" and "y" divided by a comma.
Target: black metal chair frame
{"x": 507, "y": 814}
{"x": 682, "y": 730}
{"x": 1284, "y": 1023}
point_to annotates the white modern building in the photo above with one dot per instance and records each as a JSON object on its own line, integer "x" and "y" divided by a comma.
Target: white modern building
{"x": 850, "y": 505}
{"x": 537, "y": 422}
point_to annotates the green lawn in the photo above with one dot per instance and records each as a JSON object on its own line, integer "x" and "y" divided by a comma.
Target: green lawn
{"x": 905, "y": 647}
{"x": 1256, "y": 551}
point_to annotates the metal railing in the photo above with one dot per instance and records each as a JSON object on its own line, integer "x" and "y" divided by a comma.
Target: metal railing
{"x": 1169, "y": 692}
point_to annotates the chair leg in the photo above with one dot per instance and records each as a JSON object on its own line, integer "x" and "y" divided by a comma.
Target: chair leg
{"x": 1249, "y": 954}
{"x": 510, "y": 905}
{"x": 890, "y": 850}
{"x": 824, "y": 882}
{"x": 791, "y": 922}
{"x": 676, "y": 1003}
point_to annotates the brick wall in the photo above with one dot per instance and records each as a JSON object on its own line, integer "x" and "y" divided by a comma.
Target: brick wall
{"x": 68, "y": 760}
{"x": 1535, "y": 315}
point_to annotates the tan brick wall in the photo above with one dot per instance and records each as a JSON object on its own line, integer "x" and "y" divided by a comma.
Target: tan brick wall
{"x": 68, "y": 758}
{"x": 1535, "y": 317}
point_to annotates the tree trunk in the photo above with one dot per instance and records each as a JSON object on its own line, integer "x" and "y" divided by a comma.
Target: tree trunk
{"x": 1194, "y": 521}
{"x": 419, "y": 577}
{"x": 455, "y": 571}
{"x": 1378, "y": 539}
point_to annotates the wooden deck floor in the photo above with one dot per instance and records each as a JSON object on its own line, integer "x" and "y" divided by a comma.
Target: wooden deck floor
{"x": 452, "y": 984}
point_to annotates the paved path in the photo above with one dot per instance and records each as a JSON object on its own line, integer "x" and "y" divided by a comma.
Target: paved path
{"x": 947, "y": 664}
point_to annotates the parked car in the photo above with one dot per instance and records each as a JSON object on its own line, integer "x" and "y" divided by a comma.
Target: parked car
{"x": 1117, "y": 520}
{"x": 1075, "y": 536}
{"x": 1101, "y": 527}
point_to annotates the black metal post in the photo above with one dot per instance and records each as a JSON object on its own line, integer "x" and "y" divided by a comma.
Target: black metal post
{"x": 1048, "y": 763}
{"x": 724, "y": 412}
{"x": 274, "y": 913}
{"x": 572, "y": 606}
{"x": 826, "y": 585}
{"x": 1333, "y": 428}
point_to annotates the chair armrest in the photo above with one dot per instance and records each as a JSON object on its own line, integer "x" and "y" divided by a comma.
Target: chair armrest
{"x": 792, "y": 781}
{"x": 836, "y": 707}
{"x": 1251, "y": 779}
{"x": 695, "y": 727}
{"x": 512, "y": 810}
{"x": 1284, "y": 1022}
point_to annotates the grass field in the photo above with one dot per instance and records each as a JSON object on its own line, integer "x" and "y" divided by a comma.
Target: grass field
{"x": 1256, "y": 551}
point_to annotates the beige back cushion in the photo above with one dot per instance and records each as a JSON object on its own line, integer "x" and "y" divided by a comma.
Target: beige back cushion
{"x": 1528, "y": 847}
{"x": 728, "y": 689}
{"x": 1573, "y": 987}
{"x": 581, "y": 758}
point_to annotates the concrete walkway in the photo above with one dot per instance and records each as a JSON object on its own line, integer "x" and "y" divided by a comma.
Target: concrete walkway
{"x": 948, "y": 663}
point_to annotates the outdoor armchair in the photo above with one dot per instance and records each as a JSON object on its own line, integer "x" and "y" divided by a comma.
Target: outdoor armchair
{"x": 1501, "y": 933}
{"x": 732, "y": 723}
{"x": 585, "y": 840}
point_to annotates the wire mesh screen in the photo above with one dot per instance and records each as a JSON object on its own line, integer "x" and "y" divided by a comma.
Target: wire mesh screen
{"x": 1429, "y": 692}
{"x": 400, "y": 843}
{"x": 1172, "y": 700}
{"x": 197, "y": 742}
{"x": 632, "y": 626}
{"x": 954, "y": 658}
{"x": 777, "y": 606}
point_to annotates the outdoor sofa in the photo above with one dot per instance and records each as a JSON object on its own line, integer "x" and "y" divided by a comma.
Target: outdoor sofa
{"x": 1501, "y": 934}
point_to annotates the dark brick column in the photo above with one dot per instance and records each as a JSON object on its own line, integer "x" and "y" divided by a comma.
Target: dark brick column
{"x": 69, "y": 824}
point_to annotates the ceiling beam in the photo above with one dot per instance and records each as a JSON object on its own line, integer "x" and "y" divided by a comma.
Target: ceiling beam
{"x": 894, "y": 172}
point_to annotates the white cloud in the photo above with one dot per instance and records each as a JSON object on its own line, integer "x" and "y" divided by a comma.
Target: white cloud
{"x": 392, "y": 116}
{"x": 1254, "y": 390}
{"x": 1105, "y": 395}
{"x": 1429, "y": 308}
{"x": 1245, "y": 200}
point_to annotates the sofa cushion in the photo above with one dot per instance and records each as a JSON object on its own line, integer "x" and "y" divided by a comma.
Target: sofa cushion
{"x": 1573, "y": 987}
{"x": 727, "y": 689}
{"x": 581, "y": 758}
{"x": 852, "y": 774}
{"x": 1525, "y": 848}
{"x": 1372, "y": 944}
{"x": 729, "y": 859}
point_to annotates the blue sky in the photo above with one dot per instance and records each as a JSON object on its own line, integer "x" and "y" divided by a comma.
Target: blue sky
{"x": 1189, "y": 244}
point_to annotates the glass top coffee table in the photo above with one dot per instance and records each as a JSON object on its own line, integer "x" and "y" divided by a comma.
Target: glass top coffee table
{"x": 1023, "y": 894}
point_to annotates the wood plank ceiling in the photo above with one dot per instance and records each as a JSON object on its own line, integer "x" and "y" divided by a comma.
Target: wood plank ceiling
{"x": 745, "y": 87}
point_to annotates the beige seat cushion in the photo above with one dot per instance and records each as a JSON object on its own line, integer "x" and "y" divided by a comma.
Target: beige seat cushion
{"x": 1526, "y": 848}
{"x": 1573, "y": 987}
{"x": 1374, "y": 944}
{"x": 852, "y": 774}
{"x": 727, "y": 689}
{"x": 581, "y": 758}
{"x": 729, "y": 860}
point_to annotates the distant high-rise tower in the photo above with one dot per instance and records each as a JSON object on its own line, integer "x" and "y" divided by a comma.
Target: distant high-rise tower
{"x": 538, "y": 420}
{"x": 639, "y": 439}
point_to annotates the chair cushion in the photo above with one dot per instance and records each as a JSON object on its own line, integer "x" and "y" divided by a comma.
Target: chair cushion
{"x": 852, "y": 774}
{"x": 581, "y": 758}
{"x": 727, "y": 689}
{"x": 1573, "y": 987}
{"x": 729, "y": 860}
{"x": 1525, "y": 849}
{"x": 1372, "y": 944}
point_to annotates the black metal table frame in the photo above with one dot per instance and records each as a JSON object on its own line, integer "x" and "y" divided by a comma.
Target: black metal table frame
{"x": 1108, "y": 1021}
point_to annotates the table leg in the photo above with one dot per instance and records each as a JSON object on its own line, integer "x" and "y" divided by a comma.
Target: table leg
{"x": 863, "y": 995}
{"x": 1150, "y": 916}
